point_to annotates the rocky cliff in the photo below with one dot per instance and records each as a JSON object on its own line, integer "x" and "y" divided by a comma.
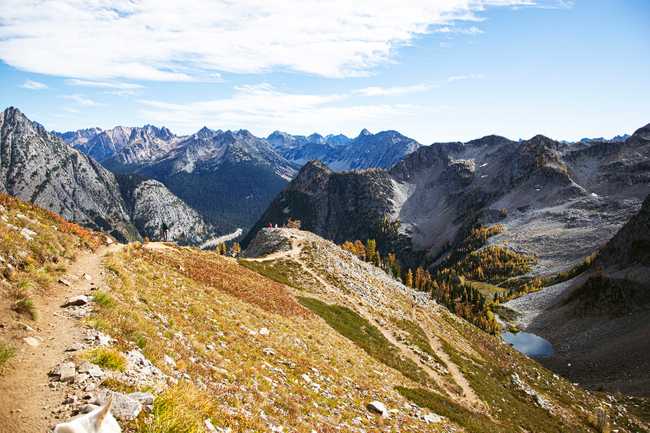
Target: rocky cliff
{"x": 38, "y": 167}
{"x": 160, "y": 215}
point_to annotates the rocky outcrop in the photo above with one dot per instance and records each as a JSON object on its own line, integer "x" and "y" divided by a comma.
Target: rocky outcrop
{"x": 160, "y": 215}
{"x": 38, "y": 167}
{"x": 323, "y": 199}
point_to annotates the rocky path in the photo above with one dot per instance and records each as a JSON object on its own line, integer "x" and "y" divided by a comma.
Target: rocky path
{"x": 27, "y": 399}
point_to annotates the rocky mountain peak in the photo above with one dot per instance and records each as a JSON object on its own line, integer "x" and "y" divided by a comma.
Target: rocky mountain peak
{"x": 643, "y": 132}
{"x": 364, "y": 132}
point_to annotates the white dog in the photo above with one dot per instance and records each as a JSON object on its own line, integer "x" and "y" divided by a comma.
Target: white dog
{"x": 99, "y": 420}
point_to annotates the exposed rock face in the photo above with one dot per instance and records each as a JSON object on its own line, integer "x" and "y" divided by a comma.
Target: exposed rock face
{"x": 36, "y": 166}
{"x": 125, "y": 145}
{"x": 381, "y": 150}
{"x": 323, "y": 200}
{"x": 559, "y": 202}
{"x": 158, "y": 214}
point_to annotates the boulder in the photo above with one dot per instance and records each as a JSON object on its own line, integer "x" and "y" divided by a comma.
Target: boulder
{"x": 76, "y": 301}
{"x": 124, "y": 407}
{"x": 378, "y": 408}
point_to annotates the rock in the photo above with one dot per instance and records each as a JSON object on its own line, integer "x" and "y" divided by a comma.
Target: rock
{"x": 32, "y": 341}
{"x": 268, "y": 351}
{"x": 75, "y": 347}
{"x": 169, "y": 361}
{"x": 209, "y": 427}
{"x": 108, "y": 241}
{"x": 91, "y": 369}
{"x": 87, "y": 277}
{"x": 377, "y": 407}
{"x": 432, "y": 418}
{"x": 145, "y": 398}
{"x": 65, "y": 372}
{"x": 27, "y": 233}
{"x": 124, "y": 407}
{"x": 76, "y": 301}
{"x": 65, "y": 282}
{"x": 264, "y": 332}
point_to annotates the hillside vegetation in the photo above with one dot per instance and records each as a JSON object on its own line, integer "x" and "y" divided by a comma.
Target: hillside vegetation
{"x": 305, "y": 338}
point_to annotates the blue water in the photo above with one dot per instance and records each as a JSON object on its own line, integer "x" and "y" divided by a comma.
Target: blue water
{"x": 529, "y": 344}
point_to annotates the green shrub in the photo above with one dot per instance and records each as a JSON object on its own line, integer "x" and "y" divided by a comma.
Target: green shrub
{"x": 106, "y": 357}
{"x": 104, "y": 299}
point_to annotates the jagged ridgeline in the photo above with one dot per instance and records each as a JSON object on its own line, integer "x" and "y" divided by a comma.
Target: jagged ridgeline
{"x": 37, "y": 166}
{"x": 297, "y": 335}
{"x": 485, "y": 220}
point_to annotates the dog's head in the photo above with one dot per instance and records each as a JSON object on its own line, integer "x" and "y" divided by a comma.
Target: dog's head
{"x": 99, "y": 420}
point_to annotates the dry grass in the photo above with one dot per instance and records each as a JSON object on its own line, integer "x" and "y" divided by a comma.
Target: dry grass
{"x": 213, "y": 335}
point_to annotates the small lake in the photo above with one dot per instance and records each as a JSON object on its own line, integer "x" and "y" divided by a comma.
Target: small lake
{"x": 529, "y": 344}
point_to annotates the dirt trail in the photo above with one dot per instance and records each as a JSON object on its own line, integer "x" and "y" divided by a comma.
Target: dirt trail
{"x": 26, "y": 399}
{"x": 468, "y": 398}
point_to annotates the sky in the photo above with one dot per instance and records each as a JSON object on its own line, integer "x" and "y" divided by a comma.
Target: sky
{"x": 435, "y": 70}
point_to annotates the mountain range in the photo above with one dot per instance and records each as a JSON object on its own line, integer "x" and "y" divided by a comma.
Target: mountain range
{"x": 39, "y": 167}
{"x": 230, "y": 177}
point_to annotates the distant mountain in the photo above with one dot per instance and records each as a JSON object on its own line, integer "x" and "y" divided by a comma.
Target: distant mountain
{"x": 616, "y": 139}
{"x": 126, "y": 145}
{"x": 39, "y": 167}
{"x": 79, "y": 137}
{"x": 229, "y": 177}
{"x": 381, "y": 150}
{"x": 556, "y": 202}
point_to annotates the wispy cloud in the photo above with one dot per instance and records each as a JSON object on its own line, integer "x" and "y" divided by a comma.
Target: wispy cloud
{"x": 473, "y": 30}
{"x": 455, "y": 78}
{"x": 395, "y": 90}
{"x": 33, "y": 85}
{"x": 103, "y": 84}
{"x": 81, "y": 100}
{"x": 174, "y": 41}
{"x": 268, "y": 108}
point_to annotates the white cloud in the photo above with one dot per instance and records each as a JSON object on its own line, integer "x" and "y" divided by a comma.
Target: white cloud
{"x": 194, "y": 39}
{"x": 454, "y": 78}
{"x": 33, "y": 85}
{"x": 395, "y": 91}
{"x": 473, "y": 30}
{"x": 268, "y": 109}
{"x": 82, "y": 100}
{"x": 103, "y": 84}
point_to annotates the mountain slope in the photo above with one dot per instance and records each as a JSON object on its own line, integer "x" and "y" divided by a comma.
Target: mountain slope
{"x": 601, "y": 314}
{"x": 38, "y": 167}
{"x": 556, "y": 202}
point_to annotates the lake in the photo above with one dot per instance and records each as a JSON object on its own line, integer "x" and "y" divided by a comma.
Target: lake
{"x": 529, "y": 344}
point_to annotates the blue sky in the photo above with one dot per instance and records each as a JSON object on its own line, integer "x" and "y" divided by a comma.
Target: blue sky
{"x": 434, "y": 70}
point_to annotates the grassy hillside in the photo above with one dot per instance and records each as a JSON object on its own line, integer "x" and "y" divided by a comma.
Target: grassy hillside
{"x": 309, "y": 341}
